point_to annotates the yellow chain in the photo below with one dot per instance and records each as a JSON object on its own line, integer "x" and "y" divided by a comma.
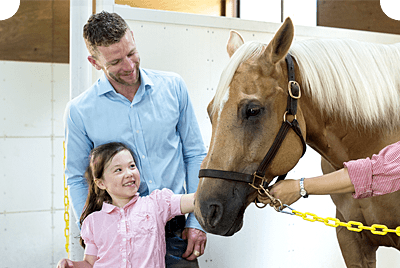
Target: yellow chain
{"x": 266, "y": 198}
{"x": 354, "y": 226}
{"x": 66, "y": 209}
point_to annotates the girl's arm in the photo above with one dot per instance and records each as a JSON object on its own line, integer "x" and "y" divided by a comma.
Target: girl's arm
{"x": 88, "y": 261}
{"x": 187, "y": 203}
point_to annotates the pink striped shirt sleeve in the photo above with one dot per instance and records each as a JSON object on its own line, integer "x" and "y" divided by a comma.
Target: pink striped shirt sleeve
{"x": 377, "y": 175}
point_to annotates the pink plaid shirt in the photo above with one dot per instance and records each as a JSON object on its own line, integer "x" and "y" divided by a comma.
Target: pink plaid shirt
{"x": 378, "y": 175}
{"x": 132, "y": 236}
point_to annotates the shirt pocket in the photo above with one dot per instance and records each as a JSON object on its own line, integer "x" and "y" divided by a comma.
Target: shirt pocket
{"x": 143, "y": 224}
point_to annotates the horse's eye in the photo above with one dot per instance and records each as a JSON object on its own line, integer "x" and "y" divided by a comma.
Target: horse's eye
{"x": 252, "y": 111}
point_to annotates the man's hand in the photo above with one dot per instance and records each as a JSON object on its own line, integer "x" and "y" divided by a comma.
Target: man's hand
{"x": 196, "y": 243}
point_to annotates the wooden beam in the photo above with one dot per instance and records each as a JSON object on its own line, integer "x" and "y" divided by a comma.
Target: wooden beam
{"x": 38, "y": 32}
{"x": 357, "y": 15}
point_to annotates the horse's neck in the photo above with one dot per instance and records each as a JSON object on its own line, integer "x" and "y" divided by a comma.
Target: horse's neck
{"x": 338, "y": 142}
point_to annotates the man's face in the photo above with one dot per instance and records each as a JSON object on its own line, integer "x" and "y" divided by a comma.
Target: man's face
{"x": 120, "y": 62}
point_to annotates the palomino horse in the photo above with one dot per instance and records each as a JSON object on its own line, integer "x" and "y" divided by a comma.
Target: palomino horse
{"x": 347, "y": 102}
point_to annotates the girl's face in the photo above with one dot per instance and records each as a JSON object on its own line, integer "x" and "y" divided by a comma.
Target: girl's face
{"x": 121, "y": 178}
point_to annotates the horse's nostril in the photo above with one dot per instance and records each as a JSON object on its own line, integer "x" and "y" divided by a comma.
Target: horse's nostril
{"x": 215, "y": 214}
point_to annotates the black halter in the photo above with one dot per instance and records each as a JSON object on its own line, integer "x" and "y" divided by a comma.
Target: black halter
{"x": 291, "y": 109}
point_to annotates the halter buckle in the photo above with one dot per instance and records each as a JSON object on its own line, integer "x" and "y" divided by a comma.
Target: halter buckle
{"x": 294, "y": 83}
{"x": 253, "y": 184}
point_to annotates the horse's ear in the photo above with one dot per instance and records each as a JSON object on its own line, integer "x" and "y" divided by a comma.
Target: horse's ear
{"x": 234, "y": 42}
{"x": 280, "y": 44}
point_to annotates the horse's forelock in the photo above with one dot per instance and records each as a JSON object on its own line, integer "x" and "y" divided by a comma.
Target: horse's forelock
{"x": 248, "y": 51}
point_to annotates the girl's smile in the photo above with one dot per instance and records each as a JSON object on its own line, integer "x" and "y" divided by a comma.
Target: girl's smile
{"x": 121, "y": 178}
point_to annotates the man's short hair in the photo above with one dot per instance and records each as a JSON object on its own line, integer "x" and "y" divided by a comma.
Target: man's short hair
{"x": 103, "y": 29}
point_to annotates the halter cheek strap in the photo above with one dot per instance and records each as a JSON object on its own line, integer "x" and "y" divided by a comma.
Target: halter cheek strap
{"x": 259, "y": 174}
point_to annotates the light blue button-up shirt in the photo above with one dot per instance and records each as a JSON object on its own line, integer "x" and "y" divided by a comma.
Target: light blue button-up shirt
{"x": 159, "y": 125}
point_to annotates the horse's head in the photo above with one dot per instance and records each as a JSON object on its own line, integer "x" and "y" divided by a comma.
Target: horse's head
{"x": 246, "y": 115}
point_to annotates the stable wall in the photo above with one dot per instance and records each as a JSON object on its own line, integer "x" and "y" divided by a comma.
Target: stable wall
{"x": 32, "y": 102}
{"x": 33, "y": 98}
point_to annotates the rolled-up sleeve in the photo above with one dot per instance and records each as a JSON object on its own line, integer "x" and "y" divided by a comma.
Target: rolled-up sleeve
{"x": 194, "y": 150}
{"x": 77, "y": 149}
{"x": 377, "y": 175}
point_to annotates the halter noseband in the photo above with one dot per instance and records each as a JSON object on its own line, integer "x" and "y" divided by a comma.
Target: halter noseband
{"x": 291, "y": 109}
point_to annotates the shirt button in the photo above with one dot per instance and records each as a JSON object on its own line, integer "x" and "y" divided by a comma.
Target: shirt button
{"x": 150, "y": 181}
{"x": 143, "y": 156}
{"x": 122, "y": 210}
{"x": 124, "y": 239}
{"x": 124, "y": 260}
{"x": 122, "y": 221}
{"x": 137, "y": 131}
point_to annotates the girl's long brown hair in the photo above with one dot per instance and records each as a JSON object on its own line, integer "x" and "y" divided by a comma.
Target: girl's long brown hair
{"x": 99, "y": 158}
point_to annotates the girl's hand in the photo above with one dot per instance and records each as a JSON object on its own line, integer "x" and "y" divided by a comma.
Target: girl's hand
{"x": 65, "y": 263}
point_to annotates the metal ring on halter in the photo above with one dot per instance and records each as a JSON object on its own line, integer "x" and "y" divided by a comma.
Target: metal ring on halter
{"x": 257, "y": 205}
{"x": 284, "y": 116}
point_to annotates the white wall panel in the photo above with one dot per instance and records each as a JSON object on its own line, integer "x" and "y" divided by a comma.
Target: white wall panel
{"x": 27, "y": 240}
{"x": 60, "y": 96}
{"x": 26, "y": 93}
{"x": 26, "y": 174}
{"x": 32, "y": 103}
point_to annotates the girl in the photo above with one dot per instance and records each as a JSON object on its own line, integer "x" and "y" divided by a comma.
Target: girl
{"x": 119, "y": 228}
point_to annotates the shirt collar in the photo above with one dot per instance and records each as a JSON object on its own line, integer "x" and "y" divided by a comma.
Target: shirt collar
{"x": 146, "y": 81}
{"x": 108, "y": 208}
{"x": 107, "y": 87}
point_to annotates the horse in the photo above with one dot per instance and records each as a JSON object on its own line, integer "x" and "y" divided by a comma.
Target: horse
{"x": 342, "y": 99}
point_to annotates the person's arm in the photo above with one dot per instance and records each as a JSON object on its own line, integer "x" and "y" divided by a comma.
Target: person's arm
{"x": 88, "y": 262}
{"x": 193, "y": 147}
{"x": 367, "y": 177}
{"x": 77, "y": 150}
{"x": 377, "y": 175}
{"x": 194, "y": 152}
{"x": 338, "y": 182}
{"x": 187, "y": 203}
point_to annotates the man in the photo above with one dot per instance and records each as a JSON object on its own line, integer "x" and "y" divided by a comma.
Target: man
{"x": 148, "y": 110}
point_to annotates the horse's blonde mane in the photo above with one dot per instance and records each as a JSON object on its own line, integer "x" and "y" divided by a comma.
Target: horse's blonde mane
{"x": 355, "y": 81}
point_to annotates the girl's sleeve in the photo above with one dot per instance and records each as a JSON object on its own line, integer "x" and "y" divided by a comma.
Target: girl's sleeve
{"x": 377, "y": 175}
{"x": 87, "y": 235}
{"x": 169, "y": 204}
